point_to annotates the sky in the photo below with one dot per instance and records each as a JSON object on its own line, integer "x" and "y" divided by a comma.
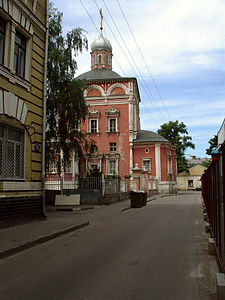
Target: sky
{"x": 175, "y": 49}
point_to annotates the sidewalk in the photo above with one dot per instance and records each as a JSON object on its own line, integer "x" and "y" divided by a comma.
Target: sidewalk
{"x": 20, "y": 237}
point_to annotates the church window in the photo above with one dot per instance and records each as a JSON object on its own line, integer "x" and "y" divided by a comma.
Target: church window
{"x": 112, "y": 125}
{"x": 93, "y": 126}
{"x": 93, "y": 60}
{"x": 112, "y": 147}
{"x": 146, "y": 150}
{"x": 53, "y": 166}
{"x": 146, "y": 163}
{"x": 68, "y": 167}
{"x": 99, "y": 59}
{"x": 106, "y": 60}
{"x": 112, "y": 116}
{"x": 112, "y": 167}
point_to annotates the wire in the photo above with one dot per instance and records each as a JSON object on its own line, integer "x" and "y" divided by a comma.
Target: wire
{"x": 134, "y": 62}
{"x": 144, "y": 88}
{"x": 144, "y": 60}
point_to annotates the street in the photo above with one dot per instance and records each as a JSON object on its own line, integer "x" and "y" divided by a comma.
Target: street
{"x": 155, "y": 252}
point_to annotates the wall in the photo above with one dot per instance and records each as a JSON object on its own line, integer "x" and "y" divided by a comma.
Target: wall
{"x": 22, "y": 98}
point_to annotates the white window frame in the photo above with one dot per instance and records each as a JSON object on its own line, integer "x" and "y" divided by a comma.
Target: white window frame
{"x": 112, "y": 114}
{"x": 150, "y": 164}
{"x": 68, "y": 167}
{"x": 112, "y": 172}
{"x": 112, "y": 147}
{"x": 53, "y": 166}
{"x": 96, "y": 127}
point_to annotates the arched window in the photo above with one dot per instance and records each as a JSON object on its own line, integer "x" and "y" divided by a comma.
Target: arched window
{"x": 99, "y": 59}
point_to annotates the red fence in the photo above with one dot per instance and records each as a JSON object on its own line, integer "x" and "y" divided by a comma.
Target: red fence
{"x": 213, "y": 193}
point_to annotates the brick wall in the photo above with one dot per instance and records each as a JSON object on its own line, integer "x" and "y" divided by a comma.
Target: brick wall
{"x": 20, "y": 208}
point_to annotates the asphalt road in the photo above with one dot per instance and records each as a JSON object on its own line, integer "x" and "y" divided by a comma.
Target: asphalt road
{"x": 155, "y": 252}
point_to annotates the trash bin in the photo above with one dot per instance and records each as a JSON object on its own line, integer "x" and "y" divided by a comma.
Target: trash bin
{"x": 138, "y": 198}
{"x": 144, "y": 198}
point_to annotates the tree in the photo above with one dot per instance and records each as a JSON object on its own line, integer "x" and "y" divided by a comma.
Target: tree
{"x": 177, "y": 134}
{"x": 213, "y": 142}
{"x": 65, "y": 105}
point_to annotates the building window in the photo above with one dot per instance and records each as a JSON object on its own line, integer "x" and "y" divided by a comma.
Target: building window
{"x": 112, "y": 125}
{"x": 112, "y": 147}
{"x": 146, "y": 164}
{"x": 112, "y": 116}
{"x": 2, "y": 40}
{"x": 53, "y": 166}
{"x": 106, "y": 60}
{"x": 112, "y": 167}
{"x": 146, "y": 150}
{"x": 190, "y": 183}
{"x": 19, "y": 54}
{"x": 68, "y": 167}
{"x": 11, "y": 152}
{"x": 93, "y": 60}
{"x": 99, "y": 59}
{"x": 93, "y": 126}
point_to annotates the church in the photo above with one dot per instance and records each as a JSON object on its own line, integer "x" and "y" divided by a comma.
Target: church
{"x": 124, "y": 150}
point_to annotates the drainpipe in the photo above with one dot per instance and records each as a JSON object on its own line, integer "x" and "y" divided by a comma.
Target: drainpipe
{"x": 44, "y": 112}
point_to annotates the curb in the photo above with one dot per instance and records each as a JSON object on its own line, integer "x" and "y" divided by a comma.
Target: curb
{"x": 41, "y": 240}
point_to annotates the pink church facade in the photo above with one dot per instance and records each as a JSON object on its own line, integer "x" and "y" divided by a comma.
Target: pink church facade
{"x": 113, "y": 122}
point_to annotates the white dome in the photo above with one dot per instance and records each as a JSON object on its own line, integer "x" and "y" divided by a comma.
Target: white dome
{"x": 101, "y": 44}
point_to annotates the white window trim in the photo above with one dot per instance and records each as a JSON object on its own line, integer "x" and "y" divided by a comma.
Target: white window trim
{"x": 150, "y": 164}
{"x": 51, "y": 169}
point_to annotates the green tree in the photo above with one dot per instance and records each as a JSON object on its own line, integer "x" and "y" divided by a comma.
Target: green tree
{"x": 177, "y": 134}
{"x": 213, "y": 142}
{"x": 65, "y": 105}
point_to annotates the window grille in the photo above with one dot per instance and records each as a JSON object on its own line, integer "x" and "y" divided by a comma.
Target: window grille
{"x": 11, "y": 152}
{"x": 19, "y": 54}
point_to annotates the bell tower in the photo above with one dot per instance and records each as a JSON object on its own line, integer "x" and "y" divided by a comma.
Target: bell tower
{"x": 101, "y": 51}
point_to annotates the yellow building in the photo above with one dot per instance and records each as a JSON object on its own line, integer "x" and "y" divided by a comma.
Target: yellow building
{"x": 191, "y": 180}
{"x": 23, "y": 44}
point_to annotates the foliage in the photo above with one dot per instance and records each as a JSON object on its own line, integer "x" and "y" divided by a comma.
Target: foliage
{"x": 206, "y": 163}
{"x": 65, "y": 101}
{"x": 177, "y": 134}
{"x": 213, "y": 142}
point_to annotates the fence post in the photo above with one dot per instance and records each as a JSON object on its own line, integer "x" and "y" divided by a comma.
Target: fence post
{"x": 61, "y": 184}
{"x": 103, "y": 185}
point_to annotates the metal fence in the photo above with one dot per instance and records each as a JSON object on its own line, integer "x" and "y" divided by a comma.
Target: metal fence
{"x": 107, "y": 186}
{"x": 213, "y": 193}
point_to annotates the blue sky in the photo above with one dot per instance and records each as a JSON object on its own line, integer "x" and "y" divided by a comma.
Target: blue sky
{"x": 182, "y": 47}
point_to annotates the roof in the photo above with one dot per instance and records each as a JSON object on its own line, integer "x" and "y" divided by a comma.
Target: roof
{"x": 196, "y": 170}
{"x": 101, "y": 44}
{"x": 98, "y": 74}
{"x": 149, "y": 136}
